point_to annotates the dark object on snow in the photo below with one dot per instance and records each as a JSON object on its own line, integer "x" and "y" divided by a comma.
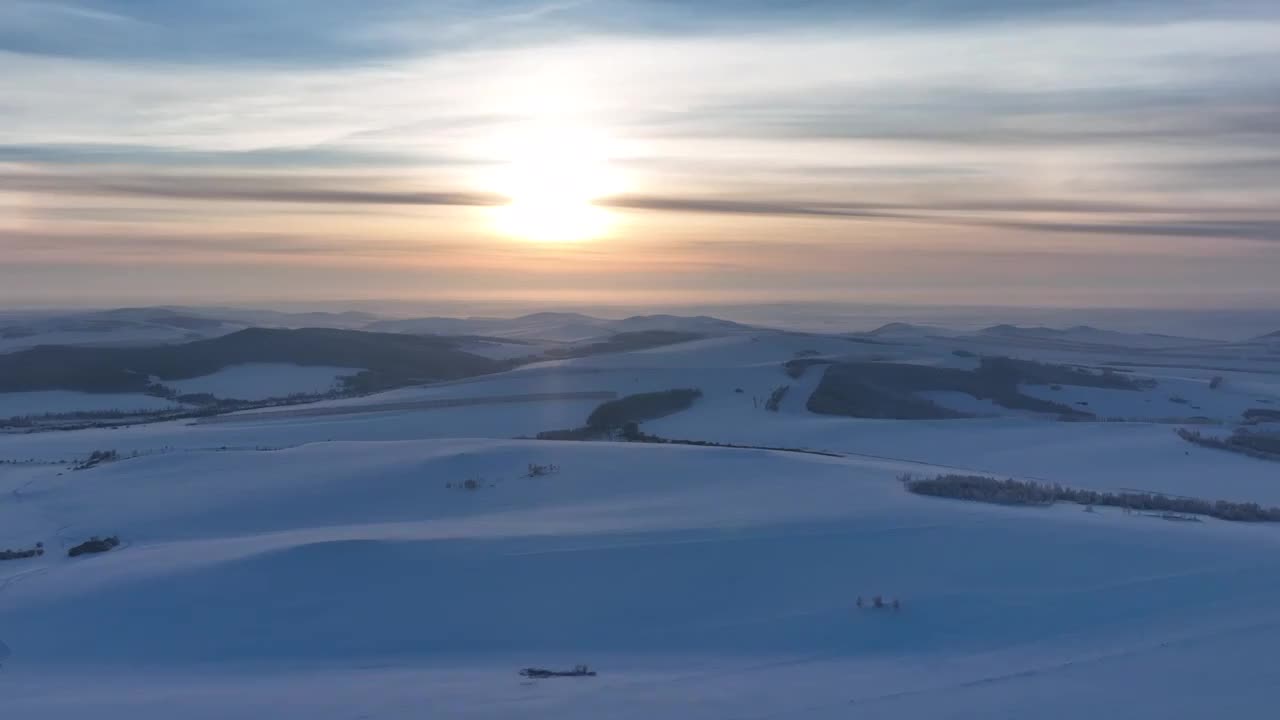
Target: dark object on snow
{"x": 879, "y": 603}
{"x": 94, "y": 545}
{"x": 539, "y": 673}
{"x": 36, "y": 551}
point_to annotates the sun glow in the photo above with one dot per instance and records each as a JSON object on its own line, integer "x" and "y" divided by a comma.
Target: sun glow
{"x": 552, "y": 180}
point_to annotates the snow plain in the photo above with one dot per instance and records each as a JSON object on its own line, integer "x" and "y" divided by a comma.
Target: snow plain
{"x": 278, "y": 566}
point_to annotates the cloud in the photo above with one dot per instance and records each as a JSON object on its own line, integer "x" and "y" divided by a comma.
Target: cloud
{"x": 1096, "y": 217}
{"x": 321, "y": 156}
{"x": 1264, "y": 230}
{"x": 244, "y": 188}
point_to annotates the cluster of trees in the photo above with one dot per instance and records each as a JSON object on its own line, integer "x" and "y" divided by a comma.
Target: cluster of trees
{"x": 775, "y": 398}
{"x": 622, "y": 417}
{"x": 1016, "y": 492}
{"x": 36, "y": 551}
{"x": 94, "y": 544}
{"x": 613, "y": 414}
{"x": 1263, "y": 445}
{"x": 391, "y": 359}
{"x": 97, "y": 457}
{"x": 889, "y": 390}
{"x": 584, "y": 432}
{"x": 1032, "y": 372}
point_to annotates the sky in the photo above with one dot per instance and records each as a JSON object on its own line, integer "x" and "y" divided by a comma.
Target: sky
{"x": 1073, "y": 153}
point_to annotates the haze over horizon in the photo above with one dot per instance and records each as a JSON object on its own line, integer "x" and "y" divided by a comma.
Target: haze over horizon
{"x": 640, "y": 152}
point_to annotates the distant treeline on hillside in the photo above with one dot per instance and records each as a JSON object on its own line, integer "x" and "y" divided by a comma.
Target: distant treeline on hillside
{"x": 626, "y": 342}
{"x": 888, "y": 390}
{"x": 1017, "y": 492}
{"x": 389, "y": 359}
{"x": 626, "y": 413}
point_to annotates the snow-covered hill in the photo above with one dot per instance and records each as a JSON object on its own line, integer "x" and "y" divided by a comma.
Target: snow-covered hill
{"x": 351, "y": 577}
{"x": 330, "y": 561}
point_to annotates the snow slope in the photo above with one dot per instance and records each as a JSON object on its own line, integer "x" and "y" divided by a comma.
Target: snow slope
{"x": 45, "y": 402}
{"x": 286, "y": 564}
{"x": 259, "y": 381}
{"x": 345, "y": 580}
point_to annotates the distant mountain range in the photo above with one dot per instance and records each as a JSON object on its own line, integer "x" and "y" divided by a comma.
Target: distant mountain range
{"x": 173, "y": 324}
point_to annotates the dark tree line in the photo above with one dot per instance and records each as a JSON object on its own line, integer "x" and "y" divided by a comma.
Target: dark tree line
{"x": 622, "y": 417}
{"x": 1262, "y": 445}
{"x": 1017, "y": 492}
{"x": 642, "y": 406}
{"x": 94, "y": 545}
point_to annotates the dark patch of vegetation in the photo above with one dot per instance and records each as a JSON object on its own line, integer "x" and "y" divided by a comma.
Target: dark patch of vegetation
{"x": 1262, "y": 445}
{"x": 390, "y": 359}
{"x": 627, "y": 342}
{"x": 641, "y": 407}
{"x": 1038, "y": 373}
{"x": 774, "y": 403}
{"x": 1215, "y": 382}
{"x": 536, "y": 470}
{"x": 1257, "y": 415}
{"x": 797, "y": 367}
{"x": 1016, "y": 492}
{"x": 96, "y": 458}
{"x": 9, "y": 554}
{"x": 622, "y": 417}
{"x": 633, "y": 434}
{"x": 578, "y": 433}
{"x": 471, "y": 483}
{"x": 963, "y": 353}
{"x": 887, "y": 390}
{"x": 94, "y": 545}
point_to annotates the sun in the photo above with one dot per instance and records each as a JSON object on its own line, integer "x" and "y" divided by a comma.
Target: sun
{"x": 552, "y": 180}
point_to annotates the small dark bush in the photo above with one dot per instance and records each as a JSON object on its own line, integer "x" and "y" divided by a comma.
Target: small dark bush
{"x": 775, "y": 398}
{"x": 94, "y": 545}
